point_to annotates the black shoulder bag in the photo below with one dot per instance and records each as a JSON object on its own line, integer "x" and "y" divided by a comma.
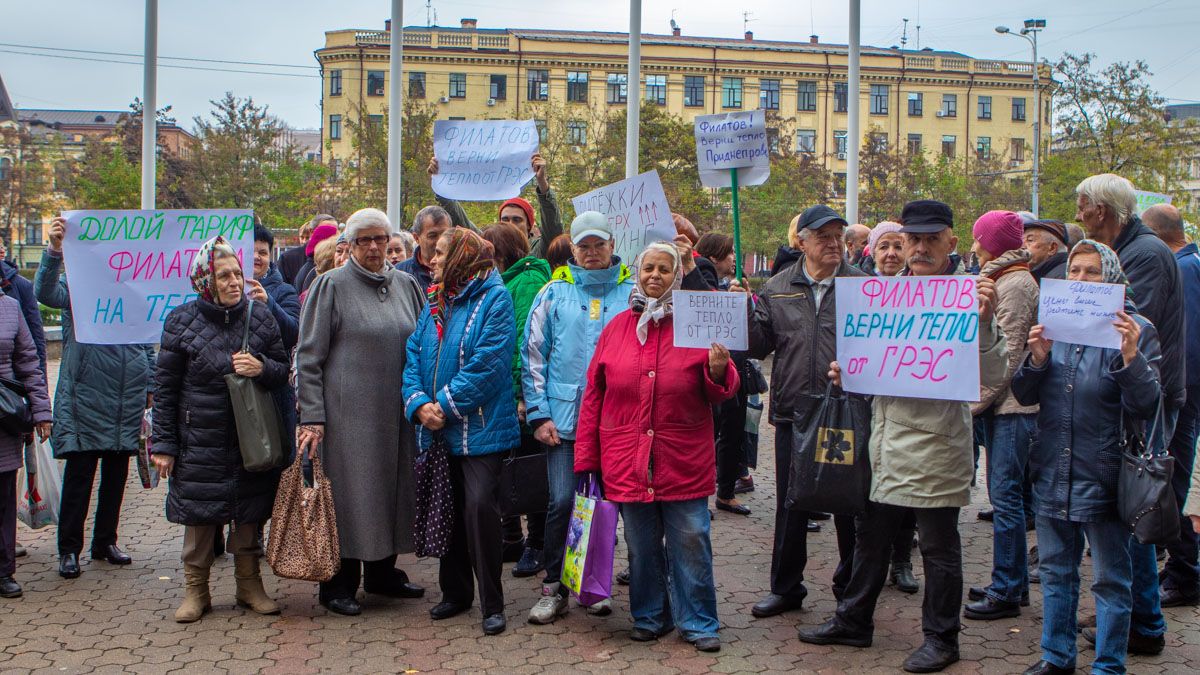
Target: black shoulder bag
{"x": 1145, "y": 500}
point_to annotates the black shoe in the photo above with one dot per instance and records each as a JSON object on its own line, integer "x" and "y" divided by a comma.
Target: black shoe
{"x": 814, "y": 526}
{"x": 532, "y": 561}
{"x": 512, "y": 551}
{"x": 815, "y": 515}
{"x": 112, "y": 555}
{"x": 738, "y": 509}
{"x": 343, "y": 606}
{"x": 1139, "y": 644}
{"x": 1173, "y": 597}
{"x": 976, "y": 594}
{"x": 9, "y": 588}
{"x": 773, "y": 605}
{"x": 986, "y": 514}
{"x": 743, "y": 485}
{"x": 397, "y": 589}
{"x": 20, "y": 552}
{"x": 647, "y": 635}
{"x": 68, "y": 566}
{"x": 902, "y": 578}
{"x": 445, "y": 610}
{"x": 930, "y": 659}
{"x": 623, "y": 577}
{"x": 988, "y": 609}
{"x": 829, "y": 633}
{"x": 1044, "y": 667}
{"x": 494, "y": 624}
{"x": 707, "y": 644}
{"x": 1035, "y": 575}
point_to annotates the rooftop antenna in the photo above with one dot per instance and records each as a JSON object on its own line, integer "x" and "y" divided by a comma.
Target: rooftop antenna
{"x": 746, "y": 21}
{"x": 430, "y": 14}
{"x": 674, "y": 26}
{"x": 918, "y": 25}
{"x": 904, "y": 35}
{"x": 812, "y": 21}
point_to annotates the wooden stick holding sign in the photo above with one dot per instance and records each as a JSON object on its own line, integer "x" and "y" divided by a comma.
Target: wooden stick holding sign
{"x": 729, "y": 143}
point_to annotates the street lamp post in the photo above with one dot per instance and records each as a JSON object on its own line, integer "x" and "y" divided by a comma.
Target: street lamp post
{"x": 1030, "y": 33}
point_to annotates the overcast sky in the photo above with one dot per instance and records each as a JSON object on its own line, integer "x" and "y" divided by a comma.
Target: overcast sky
{"x": 1161, "y": 32}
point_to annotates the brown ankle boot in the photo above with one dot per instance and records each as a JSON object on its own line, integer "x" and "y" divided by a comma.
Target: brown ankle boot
{"x": 250, "y": 592}
{"x": 196, "y": 600}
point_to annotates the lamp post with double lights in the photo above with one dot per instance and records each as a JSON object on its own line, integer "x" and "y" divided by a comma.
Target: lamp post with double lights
{"x": 1030, "y": 33}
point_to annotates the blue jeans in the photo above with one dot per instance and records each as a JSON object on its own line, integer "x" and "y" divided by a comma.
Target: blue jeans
{"x": 669, "y": 544}
{"x": 1060, "y": 548}
{"x": 560, "y": 470}
{"x": 1009, "y": 441}
{"x": 1148, "y": 620}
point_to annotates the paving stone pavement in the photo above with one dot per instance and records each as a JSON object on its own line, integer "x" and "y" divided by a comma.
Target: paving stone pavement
{"x": 118, "y": 619}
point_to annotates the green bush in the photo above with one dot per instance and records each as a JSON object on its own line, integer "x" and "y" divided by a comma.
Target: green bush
{"x": 50, "y": 316}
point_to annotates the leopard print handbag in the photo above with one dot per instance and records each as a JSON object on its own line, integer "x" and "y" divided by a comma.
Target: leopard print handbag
{"x": 303, "y": 542}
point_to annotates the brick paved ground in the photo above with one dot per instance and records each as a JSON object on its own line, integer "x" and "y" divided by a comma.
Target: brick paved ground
{"x": 119, "y": 619}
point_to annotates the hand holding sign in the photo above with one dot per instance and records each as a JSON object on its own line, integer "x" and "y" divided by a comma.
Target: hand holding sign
{"x": 482, "y": 160}
{"x": 1081, "y": 312}
{"x": 1130, "y": 332}
{"x": 704, "y": 318}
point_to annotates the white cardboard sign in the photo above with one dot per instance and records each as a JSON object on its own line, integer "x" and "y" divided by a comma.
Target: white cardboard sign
{"x": 704, "y": 317}
{"x": 637, "y": 212}
{"x": 1081, "y": 312}
{"x": 483, "y": 160}
{"x": 735, "y": 140}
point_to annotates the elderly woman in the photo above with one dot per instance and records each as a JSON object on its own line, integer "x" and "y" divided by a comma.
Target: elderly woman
{"x": 1089, "y": 398}
{"x": 652, "y": 446}
{"x": 349, "y": 365}
{"x": 458, "y": 386}
{"x": 194, "y": 442}
{"x": 886, "y": 247}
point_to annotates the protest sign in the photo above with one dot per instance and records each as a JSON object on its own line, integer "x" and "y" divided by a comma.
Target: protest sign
{"x": 704, "y": 317}
{"x": 1147, "y": 199}
{"x": 915, "y": 337}
{"x": 483, "y": 160}
{"x": 1081, "y": 312}
{"x": 736, "y": 140}
{"x": 637, "y": 212}
{"x": 129, "y": 269}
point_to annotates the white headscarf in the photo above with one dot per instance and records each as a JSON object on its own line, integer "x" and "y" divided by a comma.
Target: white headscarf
{"x": 653, "y": 309}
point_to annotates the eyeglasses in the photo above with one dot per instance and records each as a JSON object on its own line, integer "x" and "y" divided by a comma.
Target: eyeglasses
{"x": 379, "y": 240}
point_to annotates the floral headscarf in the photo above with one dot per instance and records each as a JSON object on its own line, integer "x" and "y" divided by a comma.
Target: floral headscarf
{"x": 1110, "y": 264}
{"x": 203, "y": 272}
{"x": 653, "y": 309}
{"x": 468, "y": 257}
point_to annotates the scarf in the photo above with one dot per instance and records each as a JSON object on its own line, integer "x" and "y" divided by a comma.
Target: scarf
{"x": 1110, "y": 264}
{"x": 204, "y": 280}
{"x": 653, "y": 309}
{"x": 468, "y": 257}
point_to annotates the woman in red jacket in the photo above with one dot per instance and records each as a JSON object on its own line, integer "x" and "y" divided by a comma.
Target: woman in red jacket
{"x": 648, "y": 405}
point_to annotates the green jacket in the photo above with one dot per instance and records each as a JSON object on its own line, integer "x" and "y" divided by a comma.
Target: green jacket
{"x": 523, "y": 280}
{"x": 549, "y": 220}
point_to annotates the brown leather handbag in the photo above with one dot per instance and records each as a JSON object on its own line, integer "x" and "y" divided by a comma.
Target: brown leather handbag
{"x": 303, "y": 543}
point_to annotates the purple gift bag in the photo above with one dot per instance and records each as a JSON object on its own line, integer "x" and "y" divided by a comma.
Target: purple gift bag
{"x": 591, "y": 542}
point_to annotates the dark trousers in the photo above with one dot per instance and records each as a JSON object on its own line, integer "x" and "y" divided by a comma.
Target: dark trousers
{"x": 1182, "y": 571}
{"x": 8, "y": 523}
{"x": 475, "y": 545}
{"x": 78, "y": 475}
{"x": 534, "y": 533}
{"x": 730, "y": 421}
{"x": 942, "y": 554}
{"x": 379, "y": 574}
{"x": 790, "y": 553}
{"x": 847, "y": 534}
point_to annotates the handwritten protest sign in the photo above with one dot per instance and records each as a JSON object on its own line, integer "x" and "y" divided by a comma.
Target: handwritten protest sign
{"x": 915, "y": 337}
{"x": 483, "y": 160}
{"x": 704, "y": 317}
{"x": 1081, "y": 312}
{"x": 129, "y": 269}
{"x": 637, "y": 212}
{"x": 1147, "y": 199}
{"x": 736, "y": 140}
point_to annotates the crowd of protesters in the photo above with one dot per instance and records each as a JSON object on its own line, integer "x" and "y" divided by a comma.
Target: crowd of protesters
{"x": 527, "y": 337}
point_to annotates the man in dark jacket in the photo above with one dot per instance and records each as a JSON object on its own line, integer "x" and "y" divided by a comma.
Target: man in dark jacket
{"x": 1181, "y": 580}
{"x": 12, "y": 283}
{"x": 291, "y": 260}
{"x": 1046, "y": 241}
{"x": 1107, "y": 206}
{"x": 795, "y": 318}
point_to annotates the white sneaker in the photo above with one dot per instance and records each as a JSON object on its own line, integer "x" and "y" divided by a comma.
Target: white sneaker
{"x": 602, "y": 608}
{"x": 549, "y": 607}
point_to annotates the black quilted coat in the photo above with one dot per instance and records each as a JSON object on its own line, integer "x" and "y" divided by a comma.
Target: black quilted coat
{"x": 193, "y": 416}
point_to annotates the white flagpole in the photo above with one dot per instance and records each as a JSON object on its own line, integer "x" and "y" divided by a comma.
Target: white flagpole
{"x": 395, "y": 115}
{"x": 150, "y": 106}
{"x": 633, "y": 105}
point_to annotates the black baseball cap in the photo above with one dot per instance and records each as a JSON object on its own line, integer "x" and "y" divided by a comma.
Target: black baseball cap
{"x": 815, "y": 217}
{"x": 926, "y": 216}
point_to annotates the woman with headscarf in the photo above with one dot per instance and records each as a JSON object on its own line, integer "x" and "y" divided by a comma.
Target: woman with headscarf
{"x": 458, "y": 387}
{"x": 1089, "y": 398}
{"x": 647, "y": 404}
{"x": 349, "y": 366}
{"x": 194, "y": 442}
{"x": 885, "y": 251}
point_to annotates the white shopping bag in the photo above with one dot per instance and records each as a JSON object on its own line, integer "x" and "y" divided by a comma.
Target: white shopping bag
{"x": 38, "y": 484}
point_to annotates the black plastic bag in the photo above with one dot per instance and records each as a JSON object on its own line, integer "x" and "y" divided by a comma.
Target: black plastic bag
{"x": 831, "y": 468}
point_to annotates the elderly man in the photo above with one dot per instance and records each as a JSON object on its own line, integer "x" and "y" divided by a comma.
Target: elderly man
{"x": 856, "y": 237}
{"x": 795, "y": 318}
{"x": 1181, "y": 578}
{"x": 1046, "y": 241}
{"x": 1107, "y": 206}
{"x": 922, "y": 459}
{"x": 429, "y": 225}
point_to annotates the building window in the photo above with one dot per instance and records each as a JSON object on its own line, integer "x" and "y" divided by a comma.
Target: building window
{"x": 839, "y": 184}
{"x": 335, "y": 83}
{"x": 335, "y": 169}
{"x": 335, "y": 127}
{"x": 542, "y": 129}
{"x": 1017, "y": 150}
{"x": 914, "y": 144}
{"x": 916, "y": 104}
{"x": 656, "y": 89}
{"x": 839, "y": 143}
{"x": 948, "y": 146}
{"x": 693, "y": 91}
{"x": 5, "y": 168}
{"x": 375, "y": 80}
{"x": 33, "y": 229}
{"x": 1018, "y": 109}
{"x": 539, "y": 85}
{"x": 879, "y": 99}
{"x": 731, "y": 92}
{"x": 949, "y": 105}
{"x": 458, "y": 85}
{"x": 773, "y": 140}
{"x": 577, "y": 86}
{"x": 376, "y": 122}
{"x": 840, "y": 89}
{"x": 806, "y": 100}
{"x": 806, "y": 141}
{"x": 617, "y": 88}
{"x": 983, "y": 147}
{"x": 416, "y": 85}
{"x": 768, "y": 94}
{"x": 498, "y": 88}
{"x": 985, "y": 107}
{"x": 577, "y": 132}
{"x": 879, "y": 141}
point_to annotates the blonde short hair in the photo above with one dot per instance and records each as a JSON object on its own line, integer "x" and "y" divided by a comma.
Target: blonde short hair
{"x": 323, "y": 255}
{"x": 794, "y": 232}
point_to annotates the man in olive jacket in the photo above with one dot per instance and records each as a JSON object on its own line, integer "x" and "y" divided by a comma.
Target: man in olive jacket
{"x": 921, "y": 459}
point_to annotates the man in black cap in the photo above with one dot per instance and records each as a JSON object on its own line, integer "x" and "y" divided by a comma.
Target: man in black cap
{"x": 922, "y": 460}
{"x": 1046, "y": 241}
{"x": 795, "y": 319}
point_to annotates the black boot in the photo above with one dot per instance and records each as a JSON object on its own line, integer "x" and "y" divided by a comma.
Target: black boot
{"x": 930, "y": 658}
{"x": 902, "y": 578}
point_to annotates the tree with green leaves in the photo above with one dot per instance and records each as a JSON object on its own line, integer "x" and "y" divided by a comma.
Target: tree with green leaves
{"x": 26, "y": 185}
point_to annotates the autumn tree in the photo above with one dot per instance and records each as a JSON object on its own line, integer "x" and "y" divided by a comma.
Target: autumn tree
{"x": 26, "y": 184}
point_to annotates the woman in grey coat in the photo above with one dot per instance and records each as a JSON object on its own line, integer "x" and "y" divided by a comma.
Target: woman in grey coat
{"x": 350, "y": 362}
{"x": 102, "y": 392}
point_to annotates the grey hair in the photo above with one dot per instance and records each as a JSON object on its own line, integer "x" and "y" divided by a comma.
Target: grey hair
{"x": 410, "y": 243}
{"x": 223, "y": 251}
{"x": 1112, "y": 191}
{"x": 365, "y": 219}
{"x": 1075, "y": 234}
{"x": 432, "y": 213}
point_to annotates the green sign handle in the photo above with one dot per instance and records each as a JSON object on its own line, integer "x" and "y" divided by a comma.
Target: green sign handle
{"x": 737, "y": 228}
